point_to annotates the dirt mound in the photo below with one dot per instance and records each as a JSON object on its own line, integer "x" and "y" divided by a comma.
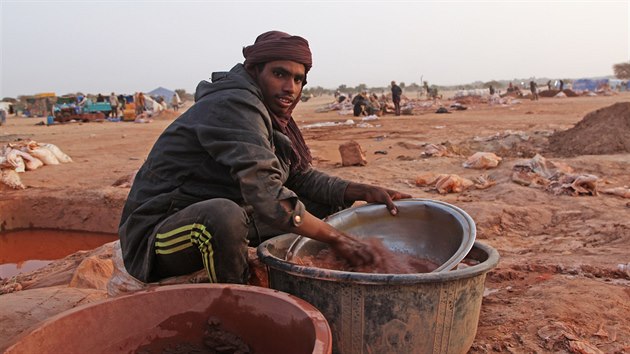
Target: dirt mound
{"x": 514, "y": 94}
{"x": 548, "y": 93}
{"x": 601, "y": 132}
{"x": 570, "y": 93}
{"x": 469, "y": 100}
{"x": 553, "y": 93}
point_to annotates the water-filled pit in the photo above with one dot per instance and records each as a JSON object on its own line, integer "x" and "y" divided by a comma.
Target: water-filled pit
{"x": 23, "y": 251}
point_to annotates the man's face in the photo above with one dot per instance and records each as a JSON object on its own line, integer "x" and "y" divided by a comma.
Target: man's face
{"x": 281, "y": 82}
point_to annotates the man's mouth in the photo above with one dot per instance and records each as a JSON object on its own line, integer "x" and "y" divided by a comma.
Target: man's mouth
{"x": 285, "y": 101}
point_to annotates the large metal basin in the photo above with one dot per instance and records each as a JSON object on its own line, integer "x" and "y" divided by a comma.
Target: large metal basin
{"x": 269, "y": 321}
{"x": 428, "y": 229}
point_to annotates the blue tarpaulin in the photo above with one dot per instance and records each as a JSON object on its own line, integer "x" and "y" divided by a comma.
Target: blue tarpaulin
{"x": 598, "y": 84}
{"x": 589, "y": 84}
{"x": 164, "y": 93}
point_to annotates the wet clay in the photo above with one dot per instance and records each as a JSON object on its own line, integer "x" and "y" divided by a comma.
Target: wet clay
{"x": 386, "y": 261}
{"x": 222, "y": 341}
{"x": 216, "y": 340}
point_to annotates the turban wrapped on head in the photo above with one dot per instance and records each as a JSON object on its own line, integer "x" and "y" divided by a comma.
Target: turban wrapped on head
{"x": 276, "y": 45}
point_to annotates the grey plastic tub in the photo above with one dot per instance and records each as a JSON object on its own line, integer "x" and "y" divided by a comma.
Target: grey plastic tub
{"x": 433, "y": 312}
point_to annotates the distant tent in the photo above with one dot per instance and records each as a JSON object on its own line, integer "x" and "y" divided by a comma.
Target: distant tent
{"x": 164, "y": 93}
{"x": 590, "y": 84}
{"x": 615, "y": 84}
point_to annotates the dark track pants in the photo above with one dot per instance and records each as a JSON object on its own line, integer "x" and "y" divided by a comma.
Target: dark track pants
{"x": 213, "y": 234}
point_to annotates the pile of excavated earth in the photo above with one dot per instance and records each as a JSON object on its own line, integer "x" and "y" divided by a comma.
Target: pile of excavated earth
{"x": 601, "y": 132}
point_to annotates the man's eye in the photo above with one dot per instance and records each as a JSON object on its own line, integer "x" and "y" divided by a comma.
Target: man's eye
{"x": 278, "y": 74}
{"x": 298, "y": 80}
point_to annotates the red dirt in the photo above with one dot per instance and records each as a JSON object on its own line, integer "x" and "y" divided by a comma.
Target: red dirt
{"x": 601, "y": 132}
{"x": 560, "y": 284}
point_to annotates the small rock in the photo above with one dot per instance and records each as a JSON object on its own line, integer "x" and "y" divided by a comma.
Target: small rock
{"x": 10, "y": 288}
{"x": 352, "y": 154}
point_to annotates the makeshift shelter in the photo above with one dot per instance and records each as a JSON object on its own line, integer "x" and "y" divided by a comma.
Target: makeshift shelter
{"x": 152, "y": 105}
{"x": 590, "y": 84}
{"x": 165, "y": 93}
{"x": 40, "y": 105}
{"x": 617, "y": 85}
{"x": 7, "y": 106}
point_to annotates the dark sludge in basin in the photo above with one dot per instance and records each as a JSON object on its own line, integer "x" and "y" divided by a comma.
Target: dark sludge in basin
{"x": 172, "y": 317}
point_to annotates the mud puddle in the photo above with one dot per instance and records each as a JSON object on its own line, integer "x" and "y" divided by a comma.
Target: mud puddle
{"x": 24, "y": 251}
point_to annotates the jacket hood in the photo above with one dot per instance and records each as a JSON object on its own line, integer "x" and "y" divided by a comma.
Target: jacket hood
{"x": 237, "y": 77}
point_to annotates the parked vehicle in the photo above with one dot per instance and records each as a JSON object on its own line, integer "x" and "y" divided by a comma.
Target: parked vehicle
{"x": 95, "y": 107}
{"x": 68, "y": 108}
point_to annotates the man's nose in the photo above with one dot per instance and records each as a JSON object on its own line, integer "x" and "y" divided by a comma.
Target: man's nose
{"x": 290, "y": 86}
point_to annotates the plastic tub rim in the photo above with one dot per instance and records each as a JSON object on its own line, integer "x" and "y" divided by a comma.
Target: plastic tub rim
{"x": 375, "y": 278}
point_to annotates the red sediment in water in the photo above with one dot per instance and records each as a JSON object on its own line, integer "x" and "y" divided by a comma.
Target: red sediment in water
{"x": 26, "y": 250}
{"x": 386, "y": 262}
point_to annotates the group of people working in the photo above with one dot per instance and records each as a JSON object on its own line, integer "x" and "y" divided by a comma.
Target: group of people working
{"x": 365, "y": 104}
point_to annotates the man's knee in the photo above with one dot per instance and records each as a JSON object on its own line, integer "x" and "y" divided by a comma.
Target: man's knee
{"x": 221, "y": 213}
{"x": 225, "y": 255}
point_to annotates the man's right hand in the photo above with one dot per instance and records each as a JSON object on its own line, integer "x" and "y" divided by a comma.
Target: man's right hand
{"x": 354, "y": 251}
{"x": 357, "y": 253}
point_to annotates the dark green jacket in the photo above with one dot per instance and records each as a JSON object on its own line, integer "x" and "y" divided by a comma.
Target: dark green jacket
{"x": 224, "y": 146}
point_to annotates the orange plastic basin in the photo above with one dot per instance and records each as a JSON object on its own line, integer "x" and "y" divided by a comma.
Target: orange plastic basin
{"x": 269, "y": 321}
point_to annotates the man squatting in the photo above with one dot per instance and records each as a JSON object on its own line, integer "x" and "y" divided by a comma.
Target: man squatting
{"x": 234, "y": 170}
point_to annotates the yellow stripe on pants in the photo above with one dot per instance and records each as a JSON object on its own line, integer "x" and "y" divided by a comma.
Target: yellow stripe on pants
{"x": 197, "y": 235}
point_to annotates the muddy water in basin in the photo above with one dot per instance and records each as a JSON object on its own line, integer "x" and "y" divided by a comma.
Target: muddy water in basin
{"x": 385, "y": 260}
{"x": 23, "y": 251}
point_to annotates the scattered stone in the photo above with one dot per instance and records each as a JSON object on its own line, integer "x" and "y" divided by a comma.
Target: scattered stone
{"x": 93, "y": 273}
{"x": 620, "y": 191}
{"x": 482, "y": 160}
{"x": 451, "y": 183}
{"x": 10, "y": 288}
{"x": 556, "y": 178}
{"x": 352, "y": 154}
{"x": 442, "y": 110}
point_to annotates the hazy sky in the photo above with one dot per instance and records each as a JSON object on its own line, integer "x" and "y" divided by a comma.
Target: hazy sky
{"x": 128, "y": 46}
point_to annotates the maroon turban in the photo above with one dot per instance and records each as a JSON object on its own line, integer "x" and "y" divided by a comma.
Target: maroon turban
{"x": 276, "y": 45}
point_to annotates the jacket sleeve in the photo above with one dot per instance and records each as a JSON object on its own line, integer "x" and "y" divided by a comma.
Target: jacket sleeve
{"x": 320, "y": 187}
{"x": 237, "y": 134}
